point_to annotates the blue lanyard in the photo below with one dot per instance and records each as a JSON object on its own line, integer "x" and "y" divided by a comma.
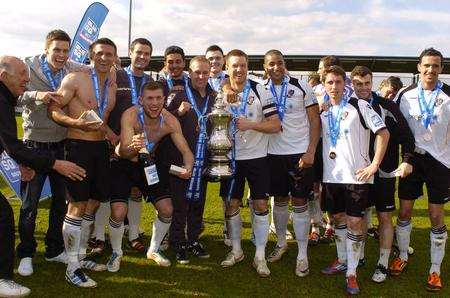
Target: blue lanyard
{"x": 427, "y": 110}
{"x": 236, "y": 113}
{"x": 193, "y": 191}
{"x": 280, "y": 101}
{"x": 135, "y": 93}
{"x": 371, "y": 101}
{"x": 149, "y": 145}
{"x": 54, "y": 81}
{"x": 170, "y": 80}
{"x": 334, "y": 124}
{"x": 102, "y": 104}
{"x": 215, "y": 83}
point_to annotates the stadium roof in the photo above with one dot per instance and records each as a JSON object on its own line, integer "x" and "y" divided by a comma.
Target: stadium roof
{"x": 309, "y": 63}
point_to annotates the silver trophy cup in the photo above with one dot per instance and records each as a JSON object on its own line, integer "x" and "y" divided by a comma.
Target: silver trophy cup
{"x": 219, "y": 143}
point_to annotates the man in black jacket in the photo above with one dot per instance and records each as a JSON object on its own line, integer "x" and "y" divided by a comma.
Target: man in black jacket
{"x": 13, "y": 78}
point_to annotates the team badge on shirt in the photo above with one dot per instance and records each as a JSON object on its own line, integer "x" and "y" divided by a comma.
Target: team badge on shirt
{"x": 250, "y": 100}
{"x": 438, "y": 102}
{"x": 344, "y": 115}
{"x": 376, "y": 120}
{"x": 290, "y": 93}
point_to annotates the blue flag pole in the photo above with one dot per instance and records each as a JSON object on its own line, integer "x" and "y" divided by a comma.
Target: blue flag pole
{"x": 87, "y": 31}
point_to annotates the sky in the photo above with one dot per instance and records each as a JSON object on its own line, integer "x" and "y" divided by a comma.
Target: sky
{"x": 296, "y": 27}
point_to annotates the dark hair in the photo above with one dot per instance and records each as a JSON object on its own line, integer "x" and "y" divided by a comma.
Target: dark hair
{"x": 103, "y": 41}
{"x": 173, "y": 50}
{"x": 315, "y": 78}
{"x": 56, "y": 34}
{"x": 236, "y": 53}
{"x": 214, "y": 48}
{"x": 143, "y": 41}
{"x": 393, "y": 81}
{"x": 330, "y": 61}
{"x": 361, "y": 71}
{"x": 431, "y": 52}
{"x": 152, "y": 85}
{"x": 336, "y": 70}
{"x": 273, "y": 52}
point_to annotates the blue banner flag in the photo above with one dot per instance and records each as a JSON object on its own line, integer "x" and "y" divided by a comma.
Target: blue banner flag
{"x": 9, "y": 169}
{"x": 87, "y": 31}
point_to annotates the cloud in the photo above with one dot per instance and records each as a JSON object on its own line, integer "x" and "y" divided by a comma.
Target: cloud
{"x": 376, "y": 27}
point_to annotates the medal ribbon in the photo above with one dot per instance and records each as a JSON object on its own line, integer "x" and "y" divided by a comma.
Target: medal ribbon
{"x": 148, "y": 144}
{"x": 237, "y": 112}
{"x": 54, "y": 81}
{"x": 193, "y": 192}
{"x": 134, "y": 93}
{"x": 427, "y": 110}
{"x": 101, "y": 103}
{"x": 334, "y": 124}
{"x": 280, "y": 101}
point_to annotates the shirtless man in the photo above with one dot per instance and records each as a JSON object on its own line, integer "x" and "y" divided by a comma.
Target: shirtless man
{"x": 84, "y": 93}
{"x": 143, "y": 126}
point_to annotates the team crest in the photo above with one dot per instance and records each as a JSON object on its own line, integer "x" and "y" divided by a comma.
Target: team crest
{"x": 438, "y": 102}
{"x": 290, "y": 93}
{"x": 250, "y": 100}
{"x": 376, "y": 120}
{"x": 344, "y": 115}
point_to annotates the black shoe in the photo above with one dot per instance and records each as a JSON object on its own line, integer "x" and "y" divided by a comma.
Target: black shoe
{"x": 181, "y": 256}
{"x": 361, "y": 263}
{"x": 198, "y": 251}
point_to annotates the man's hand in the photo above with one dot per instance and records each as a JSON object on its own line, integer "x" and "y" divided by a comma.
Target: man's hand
{"x": 86, "y": 125}
{"x": 404, "y": 169}
{"x": 244, "y": 124}
{"x": 137, "y": 142}
{"x": 26, "y": 173}
{"x": 47, "y": 97}
{"x": 184, "y": 108}
{"x": 367, "y": 172}
{"x": 307, "y": 160}
{"x": 185, "y": 175}
{"x": 69, "y": 169}
{"x": 112, "y": 137}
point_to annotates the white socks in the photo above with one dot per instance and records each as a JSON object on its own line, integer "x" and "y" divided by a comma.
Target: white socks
{"x": 234, "y": 226}
{"x": 134, "y": 218}
{"x": 280, "y": 219}
{"x": 384, "y": 257}
{"x": 116, "y": 233}
{"x": 161, "y": 226}
{"x": 72, "y": 233}
{"x": 261, "y": 230}
{"x": 301, "y": 223}
{"x": 101, "y": 220}
{"x": 86, "y": 231}
{"x": 403, "y": 233}
{"x": 353, "y": 251}
{"x": 341, "y": 242}
{"x": 438, "y": 238}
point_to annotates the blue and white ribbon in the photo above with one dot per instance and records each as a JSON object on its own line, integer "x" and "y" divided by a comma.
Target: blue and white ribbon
{"x": 193, "y": 192}
{"x": 134, "y": 92}
{"x": 148, "y": 144}
{"x": 101, "y": 103}
{"x": 54, "y": 81}
{"x": 427, "y": 109}
{"x": 280, "y": 101}
{"x": 237, "y": 112}
{"x": 334, "y": 124}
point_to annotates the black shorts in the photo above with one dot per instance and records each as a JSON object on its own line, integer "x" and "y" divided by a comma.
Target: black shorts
{"x": 93, "y": 156}
{"x": 285, "y": 178}
{"x": 127, "y": 174}
{"x": 382, "y": 194}
{"x": 256, "y": 171}
{"x": 436, "y": 176}
{"x": 349, "y": 198}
